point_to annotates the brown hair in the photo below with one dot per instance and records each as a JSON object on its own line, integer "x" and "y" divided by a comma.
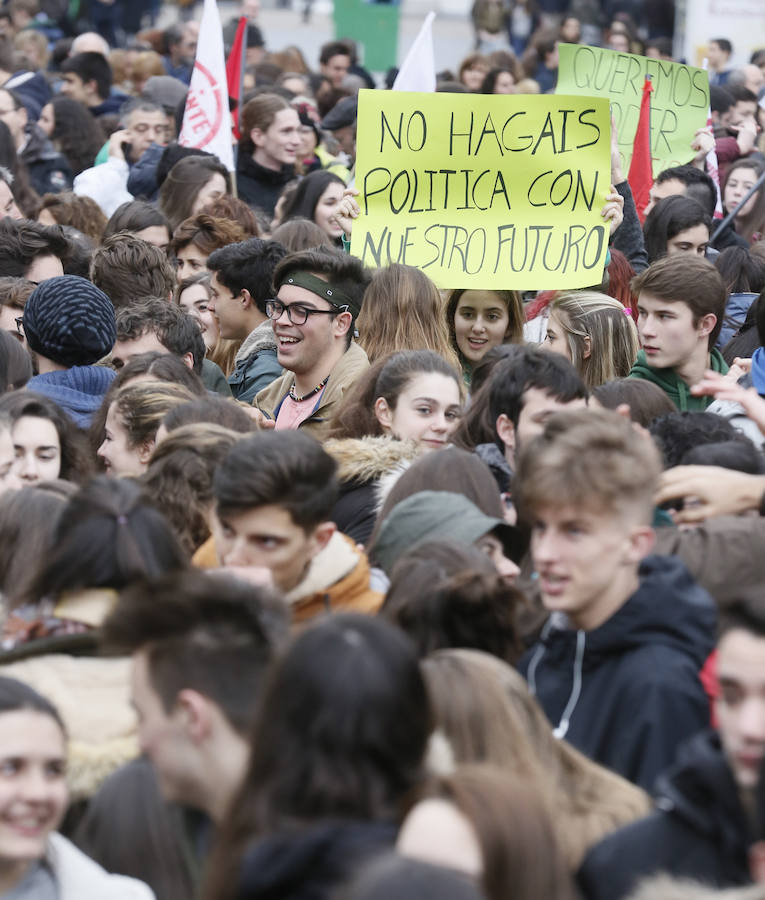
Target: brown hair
{"x": 301, "y": 234}
{"x": 511, "y": 300}
{"x": 184, "y": 182}
{"x": 519, "y": 851}
{"x": 403, "y": 310}
{"x": 687, "y": 279}
{"x": 224, "y": 352}
{"x": 15, "y": 292}
{"x": 753, "y": 222}
{"x": 387, "y": 378}
{"x": 205, "y": 233}
{"x": 78, "y": 212}
{"x": 28, "y": 521}
{"x": 236, "y": 211}
{"x": 477, "y": 426}
{"x": 485, "y": 709}
{"x": 588, "y": 459}
{"x": 444, "y": 594}
{"x": 128, "y": 269}
{"x": 179, "y": 478}
{"x": 146, "y": 64}
{"x": 260, "y": 112}
{"x": 471, "y": 60}
{"x": 646, "y": 400}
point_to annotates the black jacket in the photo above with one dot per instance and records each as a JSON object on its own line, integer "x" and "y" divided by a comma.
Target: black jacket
{"x": 640, "y": 692}
{"x": 49, "y": 171}
{"x": 258, "y": 186}
{"x": 698, "y": 830}
{"x": 311, "y": 864}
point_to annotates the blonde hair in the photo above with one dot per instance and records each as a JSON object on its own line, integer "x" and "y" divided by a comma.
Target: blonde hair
{"x": 589, "y": 459}
{"x": 180, "y": 476}
{"x": 599, "y": 324}
{"x": 403, "y": 310}
{"x": 488, "y": 715}
{"x": 142, "y": 405}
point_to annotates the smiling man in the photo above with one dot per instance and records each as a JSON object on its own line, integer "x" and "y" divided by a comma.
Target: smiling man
{"x": 319, "y": 295}
{"x": 616, "y": 668}
{"x": 681, "y": 306}
{"x": 705, "y": 817}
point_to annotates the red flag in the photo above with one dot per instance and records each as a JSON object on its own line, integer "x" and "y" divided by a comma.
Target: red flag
{"x": 641, "y": 170}
{"x": 235, "y": 70}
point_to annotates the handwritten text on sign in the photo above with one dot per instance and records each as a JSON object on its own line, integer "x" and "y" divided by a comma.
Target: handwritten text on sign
{"x": 679, "y": 101}
{"x": 484, "y": 191}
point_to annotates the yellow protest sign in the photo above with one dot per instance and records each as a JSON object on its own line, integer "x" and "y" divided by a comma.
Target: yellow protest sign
{"x": 679, "y": 102}
{"x": 484, "y": 191}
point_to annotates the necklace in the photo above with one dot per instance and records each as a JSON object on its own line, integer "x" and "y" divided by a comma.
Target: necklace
{"x": 316, "y": 390}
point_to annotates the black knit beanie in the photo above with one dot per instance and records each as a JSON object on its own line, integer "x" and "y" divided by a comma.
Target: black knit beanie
{"x": 70, "y": 321}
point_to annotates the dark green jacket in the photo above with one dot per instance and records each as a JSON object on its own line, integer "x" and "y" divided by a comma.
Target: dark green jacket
{"x": 673, "y": 385}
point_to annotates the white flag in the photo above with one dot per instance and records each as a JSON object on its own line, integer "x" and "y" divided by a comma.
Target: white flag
{"x": 418, "y": 71}
{"x": 206, "y": 120}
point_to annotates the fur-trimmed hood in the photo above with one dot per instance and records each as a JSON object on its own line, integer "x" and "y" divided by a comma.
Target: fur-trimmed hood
{"x": 337, "y": 580}
{"x": 370, "y": 458}
{"x": 260, "y": 338}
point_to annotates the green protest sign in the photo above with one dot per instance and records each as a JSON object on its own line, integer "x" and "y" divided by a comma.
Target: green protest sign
{"x": 679, "y": 102}
{"x": 484, "y": 191}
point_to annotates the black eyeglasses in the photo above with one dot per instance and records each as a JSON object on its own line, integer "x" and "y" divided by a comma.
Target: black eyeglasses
{"x": 297, "y": 313}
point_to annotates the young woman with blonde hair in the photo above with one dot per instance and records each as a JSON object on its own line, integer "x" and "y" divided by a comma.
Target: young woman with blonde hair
{"x": 134, "y": 415}
{"x": 403, "y": 310}
{"x": 484, "y": 708}
{"x": 595, "y": 333}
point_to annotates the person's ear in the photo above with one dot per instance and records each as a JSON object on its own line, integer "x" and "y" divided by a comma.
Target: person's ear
{"x": 587, "y": 347}
{"x": 188, "y": 360}
{"x": 192, "y": 710}
{"x": 23, "y": 109}
{"x": 246, "y": 299}
{"x": 383, "y": 414}
{"x": 640, "y": 543}
{"x": 321, "y": 537}
{"x": 145, "y": 449}
{"x": 706, "y": 324}
{"x": 91, "y": 87}
{"x": 505, "y": 432}
{"x": 342, "y": 323}
{"x": 256, "y": 136}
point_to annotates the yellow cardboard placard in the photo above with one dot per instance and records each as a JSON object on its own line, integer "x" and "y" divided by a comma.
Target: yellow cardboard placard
{"x": 679, "y": 101}
{"x": 484, "y": 191}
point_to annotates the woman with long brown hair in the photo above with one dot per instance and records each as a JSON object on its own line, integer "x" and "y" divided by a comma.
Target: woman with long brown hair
{"x": 484, "y": 708}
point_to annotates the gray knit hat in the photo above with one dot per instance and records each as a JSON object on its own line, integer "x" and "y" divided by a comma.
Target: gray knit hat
{"x": 433, "y": 516}
{"x": 70, "y": 321}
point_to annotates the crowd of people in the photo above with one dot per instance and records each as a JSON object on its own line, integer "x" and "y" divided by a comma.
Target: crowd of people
{"x": 321, "y": 583}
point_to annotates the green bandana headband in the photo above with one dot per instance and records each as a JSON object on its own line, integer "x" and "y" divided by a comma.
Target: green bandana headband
{"x": 323, "y": 289}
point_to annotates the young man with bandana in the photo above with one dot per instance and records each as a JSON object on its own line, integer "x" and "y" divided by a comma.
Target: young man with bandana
{"x": 318, "y": 297}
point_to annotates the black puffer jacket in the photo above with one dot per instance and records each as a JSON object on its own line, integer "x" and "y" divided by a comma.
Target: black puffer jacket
{"x": 258, "y": 186}
{"x": 698, "y": 831}
{"x": 49, "y": 171}
{"x": 628, "y": 693}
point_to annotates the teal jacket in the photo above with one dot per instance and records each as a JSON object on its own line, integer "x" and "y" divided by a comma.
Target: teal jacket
{"x": 673, "y": 385}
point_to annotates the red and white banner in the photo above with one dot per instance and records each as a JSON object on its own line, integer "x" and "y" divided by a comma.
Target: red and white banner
{"x": 206, "y": 120}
